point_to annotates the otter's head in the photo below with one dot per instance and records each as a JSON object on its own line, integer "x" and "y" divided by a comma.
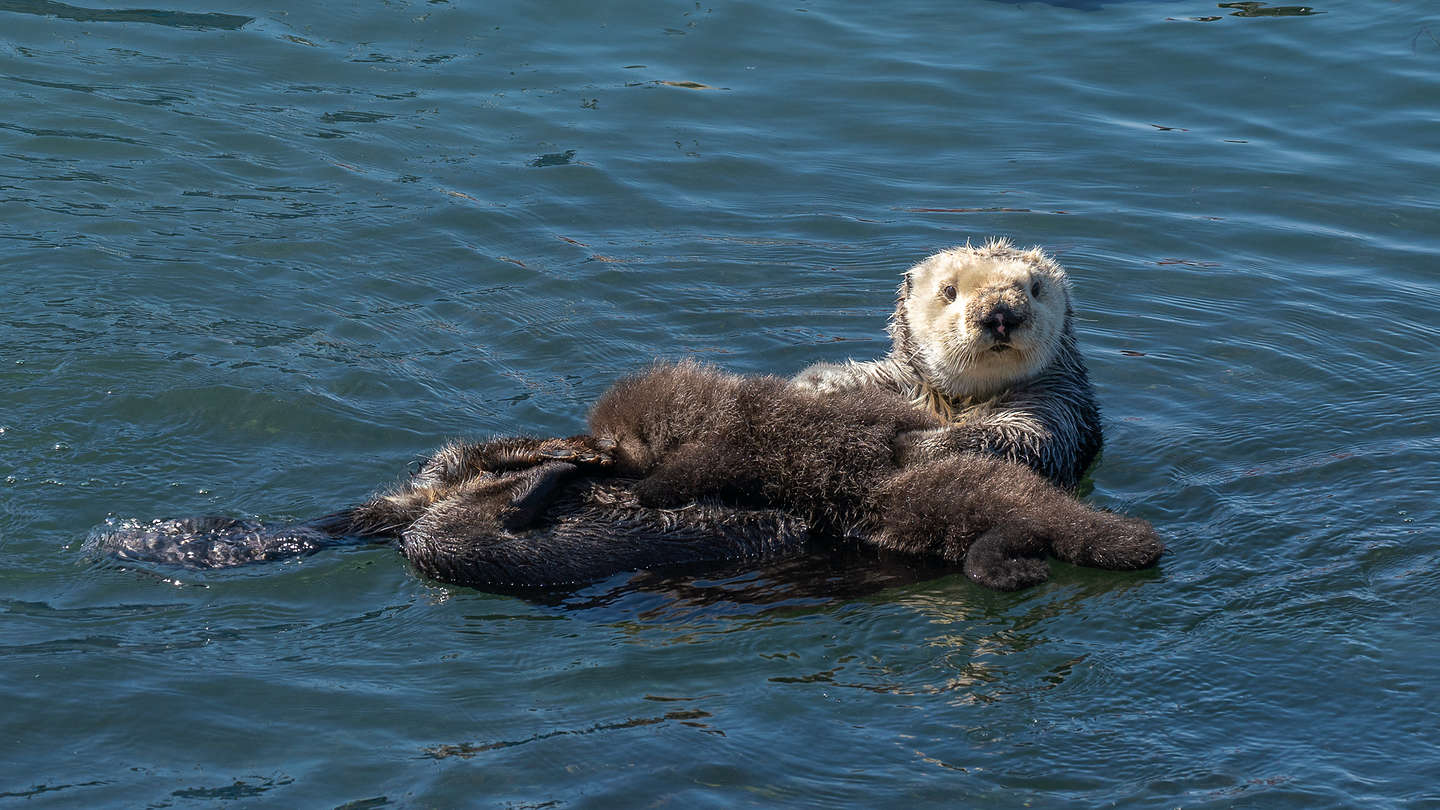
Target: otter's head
{"x": 974, "y": 321}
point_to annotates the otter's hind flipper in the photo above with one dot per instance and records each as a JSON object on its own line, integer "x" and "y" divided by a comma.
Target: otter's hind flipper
{"x": 1006, "y": 560}
{"x": 210, "y": 542}
{"x": 528, "y": 493}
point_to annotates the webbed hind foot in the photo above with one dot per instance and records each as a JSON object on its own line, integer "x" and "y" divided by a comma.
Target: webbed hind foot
{"x": 1005, "y": 559}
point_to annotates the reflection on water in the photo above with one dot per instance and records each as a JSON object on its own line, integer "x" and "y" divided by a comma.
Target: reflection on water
{"x": 796, "y": 584}
{"x": 173, "y": 19}
{"x": 1254, "y": 9}
{"x": 1247, "y": 8}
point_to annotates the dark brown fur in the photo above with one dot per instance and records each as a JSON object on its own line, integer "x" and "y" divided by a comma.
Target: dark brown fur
{"x": 695, "y": 431}
{"x": 590, "y": 528}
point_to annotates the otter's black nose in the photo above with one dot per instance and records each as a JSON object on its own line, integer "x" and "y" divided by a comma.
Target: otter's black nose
{"x": 1001, "y": 321}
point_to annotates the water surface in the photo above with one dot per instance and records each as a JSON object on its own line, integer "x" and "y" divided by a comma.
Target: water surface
{"x": 257, "y": 257}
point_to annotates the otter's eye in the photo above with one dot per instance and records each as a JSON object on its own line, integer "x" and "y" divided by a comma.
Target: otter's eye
{"x": 1035, "y": 289}
{"x": 949, "y": 292}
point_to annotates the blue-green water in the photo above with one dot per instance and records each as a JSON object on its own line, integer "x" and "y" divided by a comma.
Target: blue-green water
{"x": 257, "y": 257}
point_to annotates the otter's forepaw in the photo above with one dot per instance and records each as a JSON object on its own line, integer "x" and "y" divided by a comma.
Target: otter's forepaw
{"x": 586, "y": 450}
{"x": 824, "y": 378}
{"x": 1005, "y": 562}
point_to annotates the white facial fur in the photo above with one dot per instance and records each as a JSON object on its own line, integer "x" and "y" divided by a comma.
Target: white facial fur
{"x": 961, "y": 357}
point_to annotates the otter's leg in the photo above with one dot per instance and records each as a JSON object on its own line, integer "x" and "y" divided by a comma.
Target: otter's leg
{"x": 590, "y": 531}
{"x": 1095, "y": 538}
{"x": 456, "y": 467}
{"x": 454, "y": 539}
{"x": 974, "y": 495}
{"x": 929, "y": 509}
{"x": 512, "y": 498}
{"x": 1071, "y": 529}
{"x": 964, "y": 512}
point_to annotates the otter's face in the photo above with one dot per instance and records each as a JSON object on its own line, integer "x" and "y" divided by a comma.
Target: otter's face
{"x": 983, "y": 319}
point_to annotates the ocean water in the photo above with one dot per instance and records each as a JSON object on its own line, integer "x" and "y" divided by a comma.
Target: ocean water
{"x": 257, "y": 257}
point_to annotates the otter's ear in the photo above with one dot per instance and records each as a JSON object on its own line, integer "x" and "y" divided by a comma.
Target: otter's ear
{"x": 907, "y": 279}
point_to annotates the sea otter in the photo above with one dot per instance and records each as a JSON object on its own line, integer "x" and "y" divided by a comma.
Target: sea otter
{"x": 841, "y": 460}
{"x": 689, "y": 464}
{"x": 983, "y": 336}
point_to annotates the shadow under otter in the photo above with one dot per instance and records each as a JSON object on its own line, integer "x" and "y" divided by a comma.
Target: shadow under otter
{"x": 687, "y": 465}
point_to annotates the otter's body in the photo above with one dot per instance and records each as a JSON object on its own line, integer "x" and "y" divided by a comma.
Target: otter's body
{"x": 589, "y": 527}
{"x": 984, "y": 338}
